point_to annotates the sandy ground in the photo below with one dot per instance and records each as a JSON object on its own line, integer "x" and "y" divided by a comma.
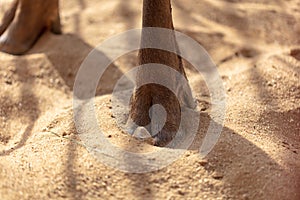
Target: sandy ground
{"x": 256, "y": 46}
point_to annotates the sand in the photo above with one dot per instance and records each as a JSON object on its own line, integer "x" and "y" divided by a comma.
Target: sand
{"x": 256, "y": 47}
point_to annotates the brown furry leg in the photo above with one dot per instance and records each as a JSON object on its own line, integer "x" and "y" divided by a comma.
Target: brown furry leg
{"x": 30, "y": 19}
{"x": 158, "y": 13}
{"x": 8, "y": 16}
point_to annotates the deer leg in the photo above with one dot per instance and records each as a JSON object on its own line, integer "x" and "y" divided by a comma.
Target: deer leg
{"x": 8, "y": 16}
{"x": 25, "y": 22}
{"x": 157, "y": 13}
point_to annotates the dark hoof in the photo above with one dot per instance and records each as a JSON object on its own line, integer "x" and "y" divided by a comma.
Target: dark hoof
{"x": 163, "y": 138}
